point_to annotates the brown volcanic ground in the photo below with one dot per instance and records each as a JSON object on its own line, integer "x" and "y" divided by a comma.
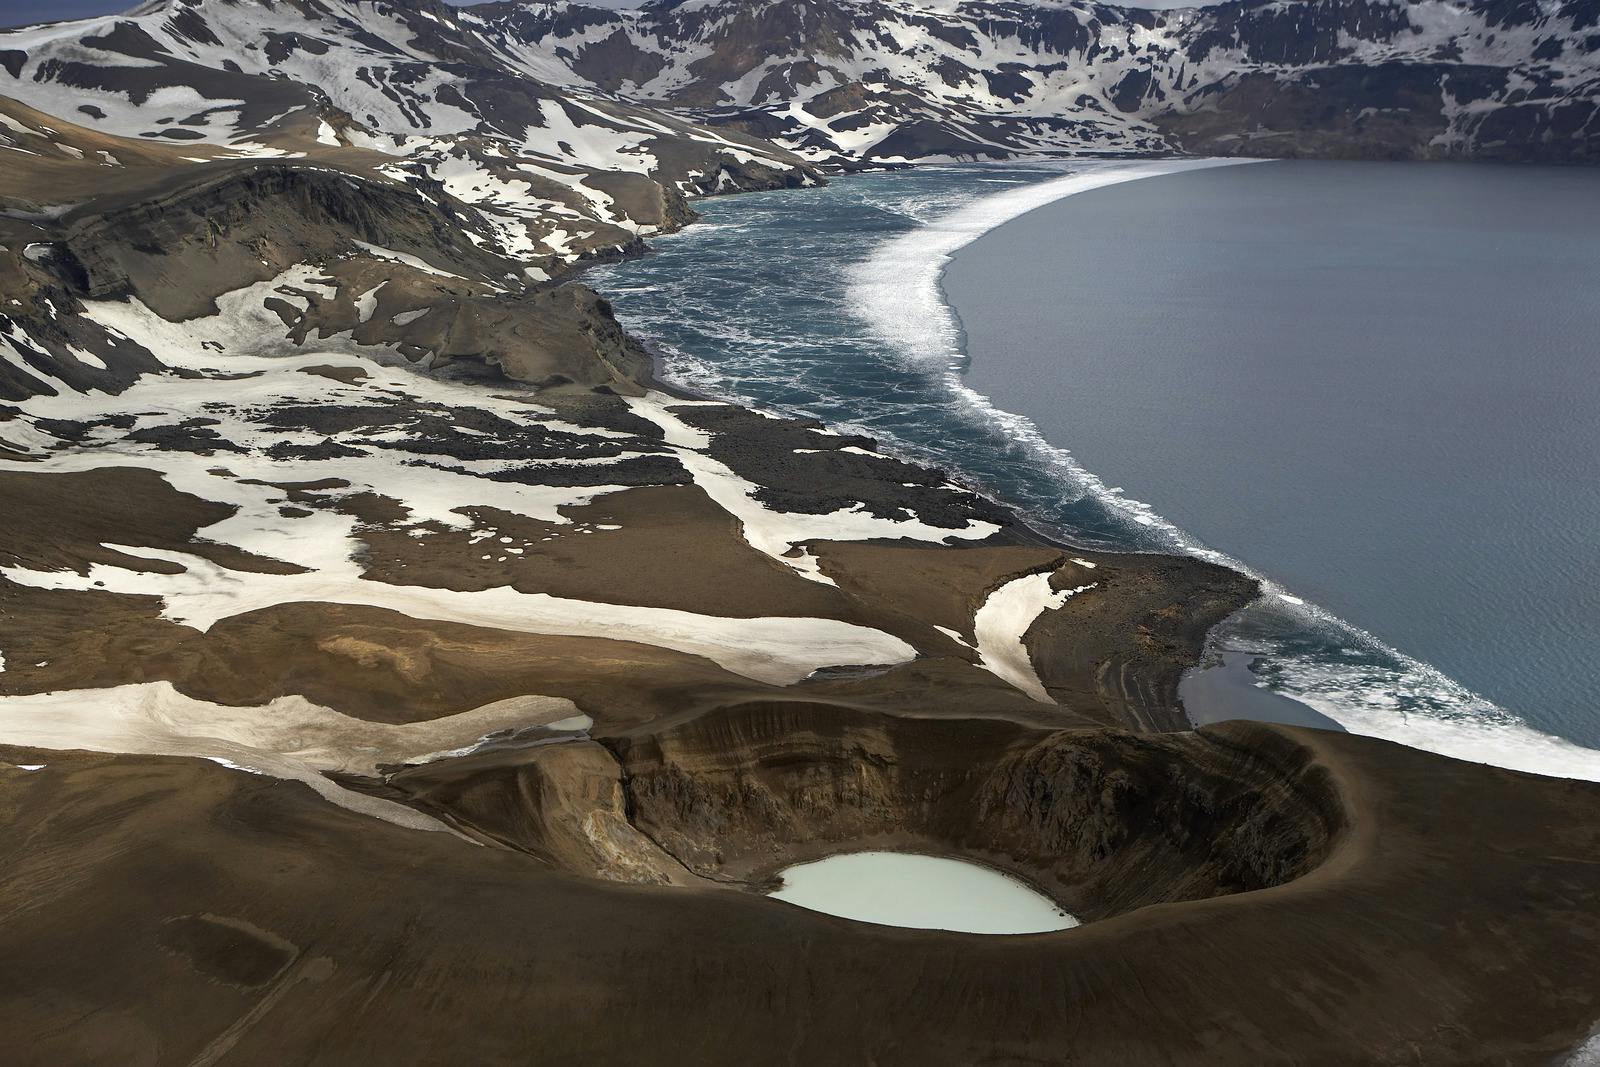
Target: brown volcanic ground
{"x": 170, "y": 911}
{"x": 545, "y": 673}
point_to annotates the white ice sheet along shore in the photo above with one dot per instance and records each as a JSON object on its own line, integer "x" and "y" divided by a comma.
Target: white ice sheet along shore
{"x": 1500, "y": 742}
{"x": 896, "y": 290}
{"x": 897, "y": 294}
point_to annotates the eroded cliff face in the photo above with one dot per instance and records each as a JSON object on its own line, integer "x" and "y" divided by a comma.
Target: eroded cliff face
{"x": 565, "y": 802}
{"x": 1115, "y": 821}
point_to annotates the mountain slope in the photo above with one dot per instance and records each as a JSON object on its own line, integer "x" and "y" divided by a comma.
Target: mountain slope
{"x": 367, "y": 612}
{"x": 892, "y": 80}
{"x": 245, "y": 313}
{"x": 390, "y": 91}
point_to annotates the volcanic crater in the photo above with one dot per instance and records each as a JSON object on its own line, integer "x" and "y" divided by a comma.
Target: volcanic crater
{"x": 1102, "y": 821}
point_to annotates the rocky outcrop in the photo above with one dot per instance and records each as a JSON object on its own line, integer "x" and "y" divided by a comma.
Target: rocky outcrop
{"x": 550, "y": 338}
{"x": 193, "y": 236}
{"x": 1125, "y": 644}
{"x": 446, "y": 302}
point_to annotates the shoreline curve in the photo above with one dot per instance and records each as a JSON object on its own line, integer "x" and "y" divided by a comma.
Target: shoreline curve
{"x": 898, "y": 292}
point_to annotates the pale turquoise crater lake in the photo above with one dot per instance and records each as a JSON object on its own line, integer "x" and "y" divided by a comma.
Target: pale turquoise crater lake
{"x": 925, "y": 892}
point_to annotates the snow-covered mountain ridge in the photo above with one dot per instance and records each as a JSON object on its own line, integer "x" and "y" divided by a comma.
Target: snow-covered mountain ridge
{"x": 885, "y": 80}
{"x": 391, "y": 92}
{"x": 191, "y": 147}
{"x": 521, "y": 98}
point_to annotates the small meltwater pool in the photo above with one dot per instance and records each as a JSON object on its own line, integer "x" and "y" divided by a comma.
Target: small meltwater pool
{"x": 926, "y": 892}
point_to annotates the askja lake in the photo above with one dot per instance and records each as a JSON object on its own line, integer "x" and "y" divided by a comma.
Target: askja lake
{"x": 1369, "y": 384}
{"x": 1376, "y": 384}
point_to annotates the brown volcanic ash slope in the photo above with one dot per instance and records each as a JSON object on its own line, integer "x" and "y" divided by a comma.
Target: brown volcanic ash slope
{"x": 390, "y": 672}
{"x": 305, "y": 474}
{"x": 611, "y": 636}
{"x": 1446, "y": 913}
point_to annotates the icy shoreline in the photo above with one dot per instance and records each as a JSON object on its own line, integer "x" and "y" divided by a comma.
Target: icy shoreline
{"x": 1404, "y": 700}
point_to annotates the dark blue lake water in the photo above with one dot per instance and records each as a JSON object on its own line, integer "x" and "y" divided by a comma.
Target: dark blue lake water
{"x": 1366, "y": 383}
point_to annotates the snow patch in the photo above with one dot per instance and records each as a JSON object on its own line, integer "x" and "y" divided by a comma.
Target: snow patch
{"x": 1005, "y": 618}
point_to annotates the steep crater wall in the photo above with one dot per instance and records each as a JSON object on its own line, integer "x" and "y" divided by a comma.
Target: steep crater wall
{"x": 1104, "y": 821}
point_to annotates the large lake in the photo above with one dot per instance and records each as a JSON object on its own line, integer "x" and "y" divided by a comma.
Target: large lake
{"x": 1369, "y": 383}
{"x": 1376, "y": 383}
